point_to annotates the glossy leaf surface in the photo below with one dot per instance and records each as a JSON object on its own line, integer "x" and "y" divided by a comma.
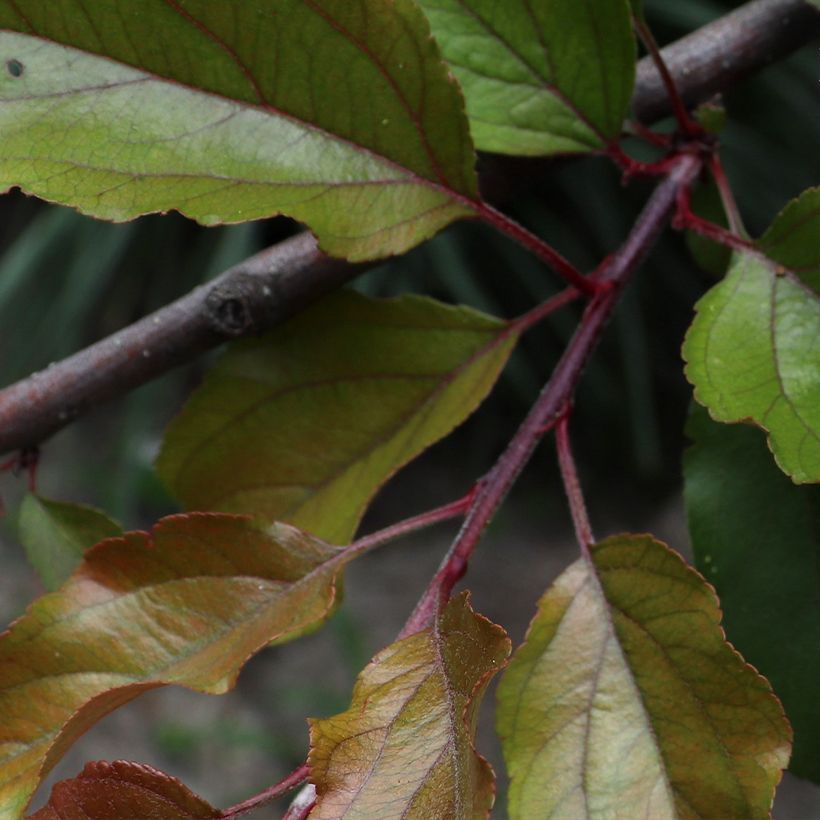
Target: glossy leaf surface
{"x": 626, "y": 701}
{"x": 56, "y": 534}
{"x": 339, "y": 113}
{"x": 305, "y": 423}
{"x": 755, "y": 537}
{"x": 539, "y": 78}
{"x": 752, "y": 354}
{"x": 112, "y": 791}
{"x": 188, "y": 604}
{"x": 404, "y": 749}
{"x": 792, "y": 239}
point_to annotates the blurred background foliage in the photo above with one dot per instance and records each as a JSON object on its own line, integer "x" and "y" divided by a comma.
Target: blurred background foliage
{"x": 66, "y": 281}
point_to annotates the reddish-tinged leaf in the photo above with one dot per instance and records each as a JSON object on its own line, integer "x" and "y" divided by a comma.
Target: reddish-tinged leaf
{"x": 120, "y": 790}
{"x": 626, "y": 701}
{"x": 187, "y": 604}
{"x": 339, "y": 113}
{"x": 405, "y": 749}
{"x": 306, "y": 423}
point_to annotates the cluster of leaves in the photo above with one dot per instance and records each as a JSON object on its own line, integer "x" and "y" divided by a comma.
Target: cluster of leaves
{"x": 361, "y": 119}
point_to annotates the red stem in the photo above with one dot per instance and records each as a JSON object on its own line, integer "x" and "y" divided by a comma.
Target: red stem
{"x": 540, "y": 312}
{"x": 580, "y": 519}
{"x": 543, "y": 250}
{"x": 294, "y": 779}
{"x": 558, "y": 391}
{"x": 685, "y": 122}
{"x": 418, "y": 522}
{"x": 687, "y": 219}
{"x": 727, "y": 197}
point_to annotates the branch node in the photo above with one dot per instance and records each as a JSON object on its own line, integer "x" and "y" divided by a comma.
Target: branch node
{"x": 241, "y": 306}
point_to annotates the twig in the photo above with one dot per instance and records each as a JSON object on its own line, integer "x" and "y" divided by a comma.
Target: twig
{"x": 685, "y": 122}
{"x": 280, "y": 281}
{"x": 259, "y": 293}
{"x": 558, "y": 391}
{"x": 575, "y": 496}
{"x": 294, "y": 779}
{"x": 720, "y": 54}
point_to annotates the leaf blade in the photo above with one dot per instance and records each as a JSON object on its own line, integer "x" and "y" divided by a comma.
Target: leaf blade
{"x": 754, "y": 536}
{"x": 55, "y": 535}
{"x": 606, "y": 702}
{"x": 791, "y": 239}
{"x": 751, "y": 354}
{"x": 104, "y": 791}
{"x": 230, "y": 114}
{"x": 411, "y": 754}
{"x": 518, "y": 64}
{"x": 306, "y": 423}
{"x": 187, "y": 604}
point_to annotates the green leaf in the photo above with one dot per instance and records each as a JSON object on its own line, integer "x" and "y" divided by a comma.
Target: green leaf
{"x": 626, "y": 701}
{"x": 754, "y": 535}
{"x": 792, "y": 238}
{"x": 339, "y": 113}
{"x": 187, "y": 604}
{"x": 539, "y": 78}
{"x": 752, "y": 354}
{"x": 56, "y": 534}
{"x": 110, "y": 791}
{"x": 405, "y": 749}
{"x": 304, "y": 424}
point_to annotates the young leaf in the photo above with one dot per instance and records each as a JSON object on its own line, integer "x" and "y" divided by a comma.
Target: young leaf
{"x": 626, "y": 701}
{"x": 56, "y": 534}
{"x": 304, "y": 424}
{"x": 539, "y": 78}
{"x": 754, "y": 535}
{"x": 405, "y": 749}
{"x": 339, "y": 113}
{"x": 188, "y": 604}
{"x": 111, "y": 791}
{"x": 752, "y": 354}
{"x": 792, "y": 238}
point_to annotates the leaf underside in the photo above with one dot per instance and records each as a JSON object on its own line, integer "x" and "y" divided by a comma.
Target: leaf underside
{"x": 539, "y": 78}
{"x": 626, "y": 701}
{"x": 112, "y": 791}
{"x": 405, "y": 749}
{"x": 306, "y": 423}
{"x": 755, "y": 537}
{"x": 752, "y": 354}
{"x": 187, "y": 604}
{"x": 339, "y": 113}
{"x": 55, "y": 535}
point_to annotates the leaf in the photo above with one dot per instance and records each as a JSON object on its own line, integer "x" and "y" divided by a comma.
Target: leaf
{"x": 626, "y": 701}
{"x": 304, "y": 424}
{"x": 405, "y": 749}
{"x": 792, "y": 238}
{"x": 56, "y": 534}
{"x": 109, "y": 791}
{"x": 755, "y": 537}
{"x": 751, "y": 354}
{"x": 187, "y": 604}
{"x": 339, "y": 113}
{"x": 539, "y": 78}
